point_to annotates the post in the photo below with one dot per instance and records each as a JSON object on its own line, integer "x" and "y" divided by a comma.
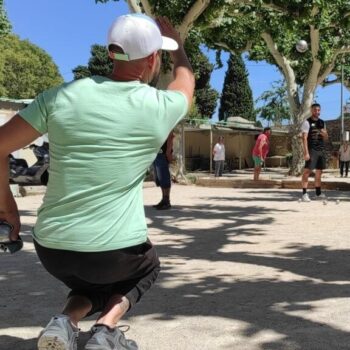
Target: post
{"x": 183, "y": 149}
{"x": 342, "y": 104}
{"x": 211, "y": 150}
{"x": 240, "y": 150}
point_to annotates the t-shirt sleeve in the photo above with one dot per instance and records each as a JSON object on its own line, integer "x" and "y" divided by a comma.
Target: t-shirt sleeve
{"x": 305, "y": 127}
{"x": 37, "y": 113}
{"x": 173, "y": 106}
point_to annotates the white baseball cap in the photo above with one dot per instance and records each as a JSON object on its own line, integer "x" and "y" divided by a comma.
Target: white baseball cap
{"x": 139, "y": 36}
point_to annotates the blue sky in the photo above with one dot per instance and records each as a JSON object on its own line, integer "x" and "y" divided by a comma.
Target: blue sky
{"x": 66, "y": 29}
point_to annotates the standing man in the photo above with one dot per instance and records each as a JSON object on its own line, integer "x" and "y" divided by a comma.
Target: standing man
{"x": 344, "y": 158}
{"x": 162, "y": 172}
{"x": 314, "y": 135}
{"x": 91, "y": 231}
{"x": 219, "y": 156}
{"x": 260, "y": 151}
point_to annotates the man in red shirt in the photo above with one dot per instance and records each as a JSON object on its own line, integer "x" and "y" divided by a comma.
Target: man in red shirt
{"x": 260, "y": 151}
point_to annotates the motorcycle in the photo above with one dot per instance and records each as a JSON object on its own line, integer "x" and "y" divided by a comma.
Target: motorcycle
{"x": 37, "y": 174}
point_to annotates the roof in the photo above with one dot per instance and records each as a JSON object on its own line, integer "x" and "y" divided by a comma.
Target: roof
{"x": 16, "y": 101}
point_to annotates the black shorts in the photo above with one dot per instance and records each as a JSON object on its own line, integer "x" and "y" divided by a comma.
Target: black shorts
{"x": 100, "y": 275}
{"x": 317, "y": 160}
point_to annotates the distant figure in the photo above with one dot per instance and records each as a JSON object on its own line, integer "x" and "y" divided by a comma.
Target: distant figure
{"x": 314, "y": 136}
{"x": 344, "y": 157}
{"x": 260, "y": 151}
{"x": 219, "y": 156}
{"x": 162, "y": 172}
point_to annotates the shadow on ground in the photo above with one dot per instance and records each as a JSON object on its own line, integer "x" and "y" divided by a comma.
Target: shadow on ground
{"x": 263, "y": 304}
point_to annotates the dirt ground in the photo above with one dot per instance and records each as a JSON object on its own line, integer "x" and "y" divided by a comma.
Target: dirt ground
{"x": 247, "y": 269}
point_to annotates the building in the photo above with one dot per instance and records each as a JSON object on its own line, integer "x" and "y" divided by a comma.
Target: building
{"x": 240, "y": 135}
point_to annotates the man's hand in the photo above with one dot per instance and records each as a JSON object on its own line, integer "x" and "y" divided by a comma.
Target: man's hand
{"x": 11, "y": 216}
{"x": 324, "y": 134}
{"x": 167, "y": 29}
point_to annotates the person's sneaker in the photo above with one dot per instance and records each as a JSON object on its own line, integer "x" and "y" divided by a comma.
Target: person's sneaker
{"x": 59, "y": 334}
{"x": 164, "y": 206}
{"x": 305, "y": 198}
{"x": 105, "y": 338}
{"x": 322, "y": 197}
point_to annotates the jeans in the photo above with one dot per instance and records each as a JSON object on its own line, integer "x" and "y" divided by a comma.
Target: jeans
{"x": 219, "y": 167}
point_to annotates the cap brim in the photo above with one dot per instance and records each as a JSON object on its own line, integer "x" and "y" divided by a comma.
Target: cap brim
{"x": 169, "y": 44}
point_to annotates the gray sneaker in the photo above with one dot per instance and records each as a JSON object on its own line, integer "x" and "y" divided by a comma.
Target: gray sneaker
{"x": 305, "y": 198}
{"x": 322, "y": 197}
{"x": 59, "y": 334}
{"x": 104, "y": 338}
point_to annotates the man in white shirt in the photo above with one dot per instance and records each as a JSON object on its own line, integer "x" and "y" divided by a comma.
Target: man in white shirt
{"x": 219, "y": 156}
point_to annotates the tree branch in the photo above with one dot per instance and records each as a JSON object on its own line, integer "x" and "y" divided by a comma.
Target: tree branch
{"x": 134, "y": 6}
{"x": 312, "y": 79}
{"x": 195, "y": 11}
{"x": 226, "y": 47}
{"x": 330, "y": 82}
{"x": 266, "y": 5}
{"x": 329, "y": 68}
{"x": 147, "y": 8}
{"x": 288, "y": 72}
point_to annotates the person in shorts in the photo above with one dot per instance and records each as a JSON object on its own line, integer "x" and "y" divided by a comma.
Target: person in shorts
{"x": 314, "y": 135}
{"x": 91, "y": 231}
{"x": 260, "y": 151}
{"x": 162, "y": 172}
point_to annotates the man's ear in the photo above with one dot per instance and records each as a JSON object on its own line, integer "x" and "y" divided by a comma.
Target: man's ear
{"x": 151, "y": 59}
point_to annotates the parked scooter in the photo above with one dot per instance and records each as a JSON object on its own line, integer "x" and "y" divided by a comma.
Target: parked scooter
{"x": 37, "y": 174}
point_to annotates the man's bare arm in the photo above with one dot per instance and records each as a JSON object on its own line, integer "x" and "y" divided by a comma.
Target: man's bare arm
{"x": 183, "y": 75}
{"x": 305, "y": 146}
{"x": 14, "y": 135}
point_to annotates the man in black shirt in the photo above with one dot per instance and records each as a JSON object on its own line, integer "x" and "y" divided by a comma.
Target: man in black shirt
{"x": 314, "y": 135}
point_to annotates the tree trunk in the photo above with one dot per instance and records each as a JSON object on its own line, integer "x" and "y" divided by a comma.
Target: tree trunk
{"x": 296, "y": 136}
{"x": 297, "y": 150}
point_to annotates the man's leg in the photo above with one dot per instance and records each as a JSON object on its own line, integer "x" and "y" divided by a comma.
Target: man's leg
{"x": 115, "y": 309}
{"x": 304, "y": 184}
{"x": 76, "y": 308}
{"x": 341, "y": 168}
{"x": 318, "y": 175}
{"x": 217, "y": 165}
{"x": 165, "y": 183}
{"x": 221, "y": 169}
{"x": 346, "y": 169}
{"x": 257, "y": 171}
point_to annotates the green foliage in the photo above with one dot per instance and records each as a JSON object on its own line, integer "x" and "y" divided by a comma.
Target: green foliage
{"x": 25, "y": 69}
{"x": 205, "y": 96}
{"x": 5, "y": 26}
{"x": 275, "y": 108}
{"x": 242, "y": 24}
{"x": 237, "y": 97}
{"x": 99, "y": 63}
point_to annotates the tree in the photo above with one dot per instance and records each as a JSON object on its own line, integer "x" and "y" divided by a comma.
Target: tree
{"x": 29, "y": 69}
{"x": 99, "y": 63}
{"x": 5, "y": 26}
{"x": 275, "y": 108}
{"x": 206, "y": 97}
{"x": 236, "y": 98}
{"x": 270, "y": 29}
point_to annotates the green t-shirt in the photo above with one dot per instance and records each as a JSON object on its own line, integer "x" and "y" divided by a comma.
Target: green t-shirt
{"x": 103, "y": 136}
